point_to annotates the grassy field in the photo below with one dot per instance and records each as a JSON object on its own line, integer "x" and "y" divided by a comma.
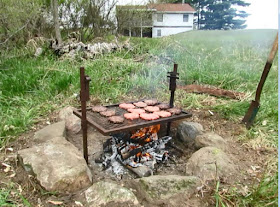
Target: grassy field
{"x": 31, "y": 88}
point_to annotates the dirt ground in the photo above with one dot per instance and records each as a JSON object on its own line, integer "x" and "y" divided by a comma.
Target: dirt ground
{"x": 251, "y": 164}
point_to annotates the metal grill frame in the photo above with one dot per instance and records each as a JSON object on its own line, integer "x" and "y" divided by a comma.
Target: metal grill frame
{"x": 82, "y": 113}
{"x": 105, "y": 131}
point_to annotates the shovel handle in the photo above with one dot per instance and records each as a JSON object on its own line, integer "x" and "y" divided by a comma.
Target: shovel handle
{"x": 267, "y": 67}
{"x": 273, "y": 50}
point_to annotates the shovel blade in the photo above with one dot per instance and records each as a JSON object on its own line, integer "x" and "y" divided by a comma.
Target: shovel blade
{"x": 251, "y": 114}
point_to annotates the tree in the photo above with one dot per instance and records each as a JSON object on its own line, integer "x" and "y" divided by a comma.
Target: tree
{"x": 220, "y": 14}
{"x": 97, "y": 18}
{"x": 17, "y": 20}
{"x": 56, "y": 21}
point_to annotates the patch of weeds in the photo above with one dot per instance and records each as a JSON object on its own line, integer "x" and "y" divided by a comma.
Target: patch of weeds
{"x": 265, "y": 193}
{"x": 4, "y": 198}
{"x": 232, "y": 110}
{"x": 10, "y": 196}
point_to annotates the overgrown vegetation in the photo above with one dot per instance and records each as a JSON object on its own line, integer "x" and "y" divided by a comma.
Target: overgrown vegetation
{"x": 30, "y": 88}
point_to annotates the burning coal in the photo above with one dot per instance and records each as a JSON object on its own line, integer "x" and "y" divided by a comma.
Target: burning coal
{"x": 142, "y": 148}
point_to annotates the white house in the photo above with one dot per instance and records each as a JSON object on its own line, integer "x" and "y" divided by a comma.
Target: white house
{"x": 156, "y": 20}
{"x": 171, "y": 19}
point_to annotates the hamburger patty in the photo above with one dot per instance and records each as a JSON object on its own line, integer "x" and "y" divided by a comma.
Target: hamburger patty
{"x": 116, "y": 119}
{"x": 162, "y": 113}
{"x": 137, "y": 111}
{"x": 152, "y": 108}
{"x": 163, "y": 106}
{"x": 98, "y": 108}
{"x": 126, "y": 106}
{"x": 131, "y": 116}
{"x": 151, "y": 102}
{"x": 140, "y": 104}
{"x": 149, "y": 117}
{"x": 108, "y": 113}
{"x": 174, "y": 111}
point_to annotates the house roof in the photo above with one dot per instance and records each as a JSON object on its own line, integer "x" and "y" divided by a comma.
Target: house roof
{"x": 162, "y": 7}
{"x": 172, "y": 7}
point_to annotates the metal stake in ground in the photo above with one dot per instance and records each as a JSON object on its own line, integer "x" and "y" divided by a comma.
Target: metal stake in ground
{"x": 172, "y": 87}
{"x": 84, "y": 97}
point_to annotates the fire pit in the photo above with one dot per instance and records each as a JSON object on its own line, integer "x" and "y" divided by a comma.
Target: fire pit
{"x": 141, "y": 147}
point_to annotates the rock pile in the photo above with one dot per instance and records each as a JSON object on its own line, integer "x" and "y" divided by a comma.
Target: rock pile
{"x": 73, "y": 48}
{"x": 59, "y": 166}
{"x": 210, "y": 161}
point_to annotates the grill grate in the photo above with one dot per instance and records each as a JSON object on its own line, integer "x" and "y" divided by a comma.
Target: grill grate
{"x": 104, "y": 126}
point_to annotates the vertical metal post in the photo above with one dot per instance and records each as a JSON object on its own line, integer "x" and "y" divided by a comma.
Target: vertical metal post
{"x": 172, "y": 87}
{"x": 84, "y": 96}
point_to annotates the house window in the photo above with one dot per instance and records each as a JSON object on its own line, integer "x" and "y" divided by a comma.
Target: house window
{"x": 185, "y": 17}
{"x": 160, "y": 17}
{"x": 159, "y": 32}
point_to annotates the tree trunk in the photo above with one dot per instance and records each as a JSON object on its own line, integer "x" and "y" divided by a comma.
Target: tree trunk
{"x": 56, "y": 21}
{"x": 198, "y": 17}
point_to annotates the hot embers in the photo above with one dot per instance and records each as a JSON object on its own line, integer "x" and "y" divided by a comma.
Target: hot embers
{"x": 142, "y": 148}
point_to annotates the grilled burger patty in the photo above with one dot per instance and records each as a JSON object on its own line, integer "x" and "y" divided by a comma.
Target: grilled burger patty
{"x": 152, "y": 108}
{"x": 149, "y": 117}
{"x": 108, "y": 113}
{"x": 131, "y": 116}
{"x": 151, "y": 102}
{"x": 126, "y": 106}
{"x": 98, "y": 108}
{"x": 162, "y": 113}
{"x": 174, "y": 111}
{"x": 137, "y": 111}
{"x": 116, "y": 119}
{"x": 163, "y": 106}
{"x": 140, "y": 104}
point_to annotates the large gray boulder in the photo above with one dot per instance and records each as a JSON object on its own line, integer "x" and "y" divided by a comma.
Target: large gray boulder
{"x": 166, "y": 186}
{"x": 210, "y": 139}
{"x": 50, "y": 132}
{"x": 102, "y": 193}
{"x": 188, "y": 131}
{"x": 57, "y": 164}
{"x": 209, "y": 162}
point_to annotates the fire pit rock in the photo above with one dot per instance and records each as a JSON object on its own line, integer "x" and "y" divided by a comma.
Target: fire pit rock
{"x": 72, "y": 122}
{"x": 103, "y": 192}
{"x": 210, "y": 139}
{"x": 49, "y": 132}
{"x": 208, "y": 162}
{"x": 188, "y": 131}
{"x": 166, "y": 186}
{"x": 57, "y": 165}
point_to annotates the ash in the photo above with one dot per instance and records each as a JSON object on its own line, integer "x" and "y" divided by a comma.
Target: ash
{"x": 139, "y": 154}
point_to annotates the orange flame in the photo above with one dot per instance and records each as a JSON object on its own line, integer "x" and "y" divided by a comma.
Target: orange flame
{"x": 143, "y": 131}
{"x": 154, "y": 129}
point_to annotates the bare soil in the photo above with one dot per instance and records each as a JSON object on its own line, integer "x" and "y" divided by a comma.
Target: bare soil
{"x": 250, "y": 161}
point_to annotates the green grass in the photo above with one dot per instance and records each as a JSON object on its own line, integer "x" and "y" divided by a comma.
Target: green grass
{"x": 10, "y": 196}
{"x": 231, "y": 60}
{"x": 31, "y": 88}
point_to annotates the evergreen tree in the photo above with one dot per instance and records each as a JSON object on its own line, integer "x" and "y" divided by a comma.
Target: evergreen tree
{"x": 220, "y": 14}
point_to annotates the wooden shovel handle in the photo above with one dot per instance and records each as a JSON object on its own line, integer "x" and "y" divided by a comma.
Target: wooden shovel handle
{"x": 267, "y": 68}
{"x": 273, "y": 50}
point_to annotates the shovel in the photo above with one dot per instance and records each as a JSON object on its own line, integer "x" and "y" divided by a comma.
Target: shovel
{"x": 255, "y": 104}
